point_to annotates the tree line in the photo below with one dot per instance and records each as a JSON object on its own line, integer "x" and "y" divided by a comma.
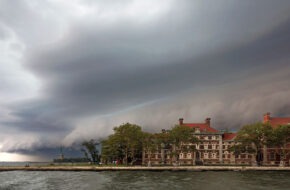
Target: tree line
{"x": 128, "y": 141}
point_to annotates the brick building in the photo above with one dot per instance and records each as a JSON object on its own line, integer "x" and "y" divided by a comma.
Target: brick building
{"x": 270, "y": 154}
{"x": 212, "y": 148}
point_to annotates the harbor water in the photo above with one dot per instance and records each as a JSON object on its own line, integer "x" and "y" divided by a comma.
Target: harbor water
{"x": 145, "y": 180}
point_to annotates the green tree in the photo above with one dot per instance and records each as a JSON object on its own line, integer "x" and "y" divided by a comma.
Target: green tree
{"x": 163, "y": 140}
{"x": 150, "y": 144}
{"x": 181, "y": 139}
{"x": 239, "y": 148}
{"x": 125, "y": 143}
{"x": 111, "y": 150}
{"x": 90, "y": 150}
{"x": 251, "y": 139}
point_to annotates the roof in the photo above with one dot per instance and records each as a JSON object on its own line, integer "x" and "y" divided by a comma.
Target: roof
{"x": 229, "y": 136}
{"x": 202, "y": 126}
{"x": 276, "y": 121}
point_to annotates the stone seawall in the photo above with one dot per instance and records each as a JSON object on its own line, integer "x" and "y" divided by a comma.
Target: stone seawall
{"x": 140, "y": 168}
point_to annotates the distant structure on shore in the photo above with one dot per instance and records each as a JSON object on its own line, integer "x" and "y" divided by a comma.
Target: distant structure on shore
{"x": 270, "y": 156}
{"x": 63, "y": 159}
{"x": 213, "y": 147}
{"x": 70, "y": 160}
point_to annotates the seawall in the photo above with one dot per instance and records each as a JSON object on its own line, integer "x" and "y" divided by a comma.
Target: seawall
{"x": 142, "y": 168}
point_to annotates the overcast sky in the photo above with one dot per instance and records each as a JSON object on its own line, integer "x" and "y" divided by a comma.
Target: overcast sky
{"x": 72, "y": 70}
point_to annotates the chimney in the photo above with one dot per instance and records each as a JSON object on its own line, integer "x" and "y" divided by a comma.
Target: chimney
{"x": 207, "y": 121}
{"x": 180, "y": 121}
{"x": 267, "y": 117}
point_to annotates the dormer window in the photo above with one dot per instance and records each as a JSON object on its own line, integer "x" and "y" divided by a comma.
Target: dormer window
{"x": 197, "y": 130}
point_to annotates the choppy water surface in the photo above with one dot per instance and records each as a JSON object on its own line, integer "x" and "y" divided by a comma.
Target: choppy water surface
{"x": 144, "y": 180}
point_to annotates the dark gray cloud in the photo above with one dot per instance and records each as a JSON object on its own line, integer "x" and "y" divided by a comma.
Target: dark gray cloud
{"x": 144, "y": 62}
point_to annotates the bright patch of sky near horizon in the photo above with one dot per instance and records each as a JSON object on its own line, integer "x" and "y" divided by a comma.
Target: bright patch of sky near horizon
{"x": 15, "y": 157}
{"x": 72, "y": 70}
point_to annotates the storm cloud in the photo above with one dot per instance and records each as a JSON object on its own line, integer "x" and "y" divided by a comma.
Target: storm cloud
{"x": 73, "y": 71}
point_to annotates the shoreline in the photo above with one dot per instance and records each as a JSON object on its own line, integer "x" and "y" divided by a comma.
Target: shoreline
{"x": 142, "y": 168}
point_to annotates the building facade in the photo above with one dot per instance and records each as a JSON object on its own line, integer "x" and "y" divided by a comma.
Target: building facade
{"x": 212, "y": 148}
{"x": 272, "y": 154}
{"x": 209, "y": 148}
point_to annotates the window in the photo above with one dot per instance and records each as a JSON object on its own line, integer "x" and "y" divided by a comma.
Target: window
{"x": 181, "y": 155}
{"x": 272, "y": 156}
{"x": 209, "y": 146}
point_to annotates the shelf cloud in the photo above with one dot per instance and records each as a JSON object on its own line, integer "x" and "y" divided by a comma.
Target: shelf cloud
{"x": 73, "y": 70}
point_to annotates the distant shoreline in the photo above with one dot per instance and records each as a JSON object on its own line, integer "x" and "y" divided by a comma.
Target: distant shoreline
{"x": 142, "y": 168}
